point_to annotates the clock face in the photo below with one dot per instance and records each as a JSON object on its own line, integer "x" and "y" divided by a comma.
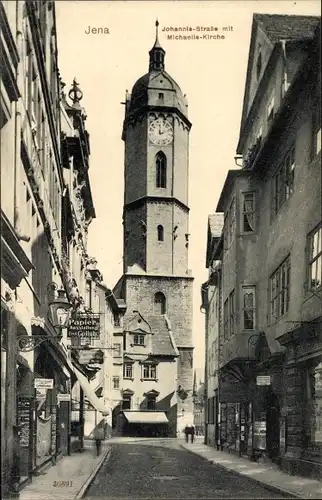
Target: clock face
{"x": 160, "y": 132}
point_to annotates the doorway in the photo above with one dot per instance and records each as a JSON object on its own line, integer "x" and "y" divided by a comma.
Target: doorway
{"x": 272, "y": 426}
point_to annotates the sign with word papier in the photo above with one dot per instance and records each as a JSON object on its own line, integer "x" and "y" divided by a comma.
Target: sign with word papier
{"x": 84, "y": 326}
{"x": 43, "y": 383}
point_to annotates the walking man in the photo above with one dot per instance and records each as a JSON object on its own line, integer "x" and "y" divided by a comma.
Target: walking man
{"x": 192, "y": 432}
{"x": 186, "y": 431}
{"x": 99, "y": 435}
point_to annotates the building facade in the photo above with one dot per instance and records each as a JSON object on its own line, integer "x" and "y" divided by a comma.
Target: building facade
{"x": 31, "y": 239}
{"x": 211, "y": 307}
{"x": 46, "y": 208}
{"x": 157, "y": 283}
{"x": 270, "y": 251}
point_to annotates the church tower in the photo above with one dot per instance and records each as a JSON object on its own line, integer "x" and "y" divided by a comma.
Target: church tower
{"x": 156, "y": 280}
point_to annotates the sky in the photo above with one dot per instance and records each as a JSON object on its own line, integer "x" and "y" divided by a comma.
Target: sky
{"x": 210, "y": 72}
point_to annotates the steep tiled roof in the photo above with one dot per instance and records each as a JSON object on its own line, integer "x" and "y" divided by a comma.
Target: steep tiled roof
{"x": 284, "y": 27}
{"x": 161, "y": 342}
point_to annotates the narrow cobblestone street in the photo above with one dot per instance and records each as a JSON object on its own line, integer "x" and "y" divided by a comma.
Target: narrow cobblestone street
{"x": 138, "y": 470}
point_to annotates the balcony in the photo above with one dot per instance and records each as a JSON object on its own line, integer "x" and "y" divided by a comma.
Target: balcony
{"x": 239, "y": 347}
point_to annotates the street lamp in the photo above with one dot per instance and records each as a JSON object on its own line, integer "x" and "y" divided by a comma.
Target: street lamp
{"x": 59, "y": 312}
{"x": 58, "y": 315}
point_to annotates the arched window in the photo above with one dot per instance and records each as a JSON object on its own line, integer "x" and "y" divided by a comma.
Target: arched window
{"x": 159, "y": 303}
{"x": 161, "y": 170}
{"x": 160, "y": 233}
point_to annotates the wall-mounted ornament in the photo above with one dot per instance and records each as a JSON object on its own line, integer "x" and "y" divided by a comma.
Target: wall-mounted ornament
{"x": 182, "y": 393}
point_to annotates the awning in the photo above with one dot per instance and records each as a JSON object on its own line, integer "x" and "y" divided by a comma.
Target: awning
{"x": 89, "y": 392}
{"x": 146, "y": 417}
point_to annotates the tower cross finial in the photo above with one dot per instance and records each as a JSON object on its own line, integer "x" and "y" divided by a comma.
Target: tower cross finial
{"x": 156, "y": 30}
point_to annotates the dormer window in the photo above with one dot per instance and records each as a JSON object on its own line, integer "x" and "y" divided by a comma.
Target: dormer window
{"x": 138, "y": 339}
{"x": 149, "y": 372}
{"x": 151, "y": 403}
{"x": 161, "y": 97}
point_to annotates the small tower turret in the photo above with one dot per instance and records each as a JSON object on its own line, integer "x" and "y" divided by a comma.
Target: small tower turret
{"x": 156, "y": 53}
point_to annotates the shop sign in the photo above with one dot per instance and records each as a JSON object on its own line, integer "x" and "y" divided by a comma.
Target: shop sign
{"x": 63, "y": 397}
{"x": 91, "y": 356}
{"x": 84, "y": 326}
{"x": 263, "y": 380}
{"x": 44, "y": 383}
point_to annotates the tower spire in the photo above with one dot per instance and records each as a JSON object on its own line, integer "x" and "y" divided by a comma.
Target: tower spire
{"x": 156, "y": 53}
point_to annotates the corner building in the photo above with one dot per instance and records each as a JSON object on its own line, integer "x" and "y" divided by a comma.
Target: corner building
{"x": 156, "y": 280}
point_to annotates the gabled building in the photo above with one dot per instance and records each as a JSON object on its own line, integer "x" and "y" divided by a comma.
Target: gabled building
{"x": 270, "y": 359}
{"x": 149, "y": 358}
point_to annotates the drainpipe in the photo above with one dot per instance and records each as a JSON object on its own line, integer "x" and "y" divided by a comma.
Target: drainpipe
{"x": 18, "y": 128}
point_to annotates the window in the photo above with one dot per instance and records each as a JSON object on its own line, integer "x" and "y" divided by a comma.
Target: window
{"x": 126, "y": 403}
{"x": 128, "y": 370}
{"x": 116, "y": 319}
{"x": 283, "y": 183}
{"x": 249, "y": 308}
{"x": 230, "y": 225}
{"x": 159, "y": 303}
{"x": 161, "y": 97}
{"x": 230, "y": 316}
{"x": 270, "y": 108}
{"x": 232, "y": 313}
{"x": 226, "y": 320}
{"x": 116, "y": 350}
{"x": 160, "y": 233}
{"x": 315, "y": 258}
{"x": 161, "y": 170}
{"x": 149, "y": 371}
{"x": 248, "y": 223}
{"x": 116, "y": 382}
{"x": 151, "y": 403}
{"x": 138, "y": 339}
{"x": 280, "y": 290}
{"x": 259, "y": 65}
{"x": 232, "y": 221}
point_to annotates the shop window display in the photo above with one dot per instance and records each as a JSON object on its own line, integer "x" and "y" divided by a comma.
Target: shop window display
{"x": 314, "y": 403}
